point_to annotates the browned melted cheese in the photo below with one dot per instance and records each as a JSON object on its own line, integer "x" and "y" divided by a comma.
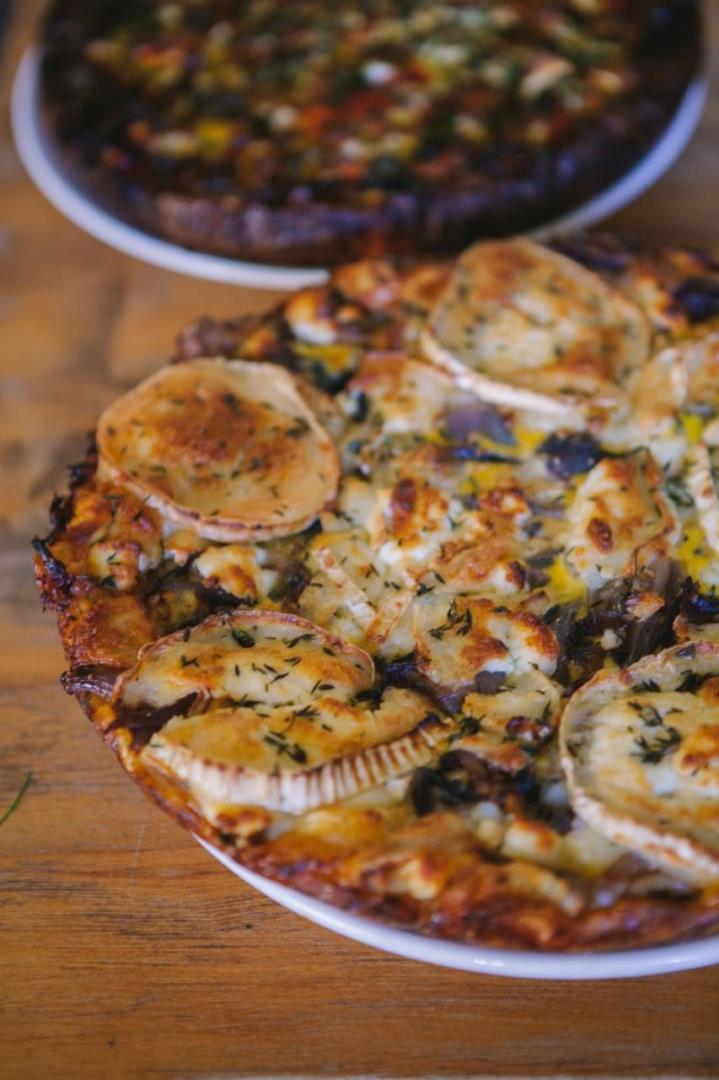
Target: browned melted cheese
{"x": 620, "y": 519}
{"x": 535, "y": 328}
{"x": 230, "y": 448}
{"x": 641, "y": 749}
{"x": 277, "y": 715}
{"x": 458, "y": 638}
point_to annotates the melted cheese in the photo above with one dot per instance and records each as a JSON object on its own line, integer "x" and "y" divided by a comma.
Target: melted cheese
{"x": 406, "y": 396}
{"x": 701, "y": 482}
{"x": 458, "y": 637}
{"x": 507, "y": 729}
{"x": 275, "y": 719}
{"x": 228, "y": 447}
{"x": 619, "y": 518}
{"x": 641, "y": 752}
{"x": 237, "y": 570}
{"x": 534, "y": 329}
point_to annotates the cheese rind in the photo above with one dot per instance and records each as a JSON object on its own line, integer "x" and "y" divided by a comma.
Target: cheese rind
{"x": 640, "y": 749}
{"x": 524, "y": 326}
{"x": 281, "y": 713}
{"x": 229, "y": 448}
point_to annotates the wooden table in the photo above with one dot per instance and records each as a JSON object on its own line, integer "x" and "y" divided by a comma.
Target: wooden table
{"x": 125, "y": 951}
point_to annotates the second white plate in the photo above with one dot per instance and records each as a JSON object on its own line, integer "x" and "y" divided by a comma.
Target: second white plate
{"x": 40, "y": 160}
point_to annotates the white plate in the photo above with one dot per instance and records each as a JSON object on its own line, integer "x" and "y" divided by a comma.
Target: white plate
{"x": 40, "y": 160}
{"x": 626, "y": 964}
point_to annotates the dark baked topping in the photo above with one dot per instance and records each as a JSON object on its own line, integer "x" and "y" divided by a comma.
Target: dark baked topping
{"x": 289, "y": 128}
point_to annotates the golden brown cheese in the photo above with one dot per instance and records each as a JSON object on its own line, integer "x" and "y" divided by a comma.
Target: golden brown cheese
{"x": 231, "y": 656}
{"x": 459, "y": 637}
{"x": 507, "y": 729}
{"x": 527, "y": 327}
{"x": 237, "y": 569}
{"x": 112, "y": 535}
{"x": 640, "y": 749}
{"x": 352, "y": 592}
{"x": 227, "y": 447}
{"x": 408, "y": 524}
{"x": 658, "y": 390}
{"x": 102, "y": 628}
{"x": 620, "y": 519}
{"x": 701, "y": 482}
{"x": 406, "y": 396}
{"x": 276, "y": 715}
{"x": 491, "y": 564}
{"x": 420, "y": 858}
{"x": 701, "y": 359}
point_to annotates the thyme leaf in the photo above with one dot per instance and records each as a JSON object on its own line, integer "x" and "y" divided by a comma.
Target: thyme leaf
{"x": 18, "y": 797}
{"x": 652, "y": 752}
{"x": 293, "y": 750}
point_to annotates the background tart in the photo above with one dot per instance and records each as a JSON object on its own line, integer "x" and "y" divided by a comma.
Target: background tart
{"x": 314, "y": 132}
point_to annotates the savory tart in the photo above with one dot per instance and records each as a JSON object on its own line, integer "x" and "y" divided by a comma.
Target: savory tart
{"x": 351, "y": 607}
{"x": 314, "y": 132}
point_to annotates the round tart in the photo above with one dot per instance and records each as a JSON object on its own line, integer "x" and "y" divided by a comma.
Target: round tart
{"x": 310, "y": 133}
{"x": 439, "y": 656}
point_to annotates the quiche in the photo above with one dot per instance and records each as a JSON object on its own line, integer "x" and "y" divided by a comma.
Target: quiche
{"x": 405, "y": 593}
{"x": 313, "y": 132}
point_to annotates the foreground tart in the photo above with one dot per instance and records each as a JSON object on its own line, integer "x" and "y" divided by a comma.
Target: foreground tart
{"x": 351, "y": 607}
{"x": 313, "y": 132}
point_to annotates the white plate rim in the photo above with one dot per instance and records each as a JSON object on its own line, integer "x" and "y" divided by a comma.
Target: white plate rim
{"x": 40, "y": 161}
{"x": 512, "y": 963}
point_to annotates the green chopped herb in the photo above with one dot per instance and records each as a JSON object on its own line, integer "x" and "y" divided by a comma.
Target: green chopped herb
{"x": 277, "y": 740}
{"x": 307, "y": 712}
{"x": 651, "y": 716}
{"x": 460, "y": 621}
{"x": 242, "y": 638}
{"x": 322, "y": 686}
{"x": 692, "y": 681}
{"x": 653, "y": 751}
{"x": 280, "y": 675}
{"x": 18, "y": 797}
{"x": 244, "y": 702}
{"x": 649, "y": 686}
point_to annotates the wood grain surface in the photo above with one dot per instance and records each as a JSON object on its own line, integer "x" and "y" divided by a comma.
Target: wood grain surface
{"x": 125, "y": 951}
